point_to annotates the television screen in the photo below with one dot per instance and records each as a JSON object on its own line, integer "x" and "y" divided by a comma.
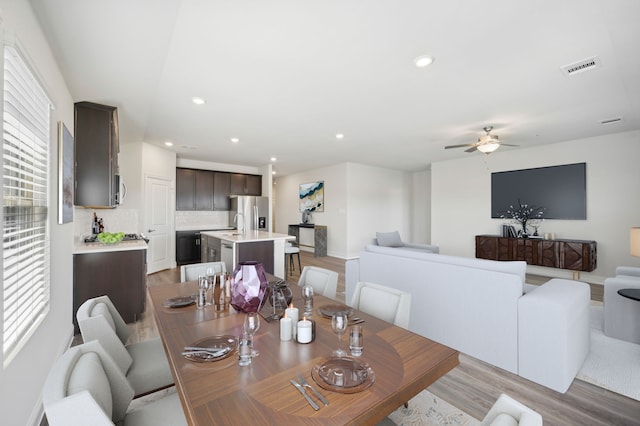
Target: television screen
{"x": 561, "y": 190}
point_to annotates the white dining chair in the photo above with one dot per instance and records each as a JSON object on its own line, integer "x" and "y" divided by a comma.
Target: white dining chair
{"x": 86, "y": 387}
{"x": 192, "y": 271}
{"x": 386, "y": 303}
{"x": 143, "y": 363}
{"x": 323, "y": 281}
{"x": 506, "y": 411}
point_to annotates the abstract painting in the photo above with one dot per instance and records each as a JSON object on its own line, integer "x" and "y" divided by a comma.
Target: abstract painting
{"x": 312, "y": 197}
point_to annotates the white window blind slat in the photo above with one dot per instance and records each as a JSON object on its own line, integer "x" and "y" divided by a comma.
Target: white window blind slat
{"x": 25, "y": 247}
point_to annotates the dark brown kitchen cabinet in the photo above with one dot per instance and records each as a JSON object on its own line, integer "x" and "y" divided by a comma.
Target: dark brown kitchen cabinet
{"x": 204, "y": 190}
{"x": 242, "y": 184}
{"x": 185, "y": 189}
{"x": 121, "y": 275}
{"x": 211, "y": 249}
{"x": 96, "y": 154}
{"x": 221, "y": 188}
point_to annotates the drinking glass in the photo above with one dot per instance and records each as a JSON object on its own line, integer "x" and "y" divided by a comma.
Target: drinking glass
{"x": 251, "y": 326}
{"x": 201, "y": 301}
{"x": 211, "y": 279}
{"x": 339, "y": 326}
{"x": 307, "y": 295}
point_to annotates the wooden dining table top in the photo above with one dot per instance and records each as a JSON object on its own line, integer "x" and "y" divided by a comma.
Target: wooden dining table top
{"x": 224, "y": 393}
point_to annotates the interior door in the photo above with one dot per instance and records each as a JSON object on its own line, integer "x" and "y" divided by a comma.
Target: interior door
{"x": 158, "y": 220}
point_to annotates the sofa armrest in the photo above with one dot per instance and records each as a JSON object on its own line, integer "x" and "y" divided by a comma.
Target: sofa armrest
{"x": 426, "y": 247}
{"x": 629, "y": 271}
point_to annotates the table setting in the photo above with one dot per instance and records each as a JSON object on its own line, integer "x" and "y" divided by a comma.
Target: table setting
{"x": 276, "y": 368}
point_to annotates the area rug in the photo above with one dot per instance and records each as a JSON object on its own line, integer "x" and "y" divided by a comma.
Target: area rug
{"x": 611, "y": 364}
{"x": 427, "y": 409}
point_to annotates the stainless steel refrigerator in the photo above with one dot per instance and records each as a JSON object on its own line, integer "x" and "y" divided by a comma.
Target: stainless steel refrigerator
{"x": 249, "y": 212}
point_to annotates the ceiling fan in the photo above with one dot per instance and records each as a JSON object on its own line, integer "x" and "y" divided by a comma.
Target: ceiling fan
{"x": 486, "y": 144}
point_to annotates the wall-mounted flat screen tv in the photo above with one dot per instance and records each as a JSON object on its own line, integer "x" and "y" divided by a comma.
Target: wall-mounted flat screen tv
{"x": 561, "y": 190}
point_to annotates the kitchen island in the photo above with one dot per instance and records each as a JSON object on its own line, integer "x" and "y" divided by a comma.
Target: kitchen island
{"x": 262, "y": 246}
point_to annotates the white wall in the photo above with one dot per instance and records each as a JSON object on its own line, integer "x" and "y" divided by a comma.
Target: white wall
{"x": 421, "y": 208}
{"x": 461, "y": 198}
{"x": 21, "y": 381}
{"x": 359, "y": 200}
{"x": 287, "y": 207}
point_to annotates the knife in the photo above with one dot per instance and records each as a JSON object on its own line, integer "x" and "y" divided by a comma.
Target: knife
{"x": 306, "y": 384}
{"x": 304, "y": 393}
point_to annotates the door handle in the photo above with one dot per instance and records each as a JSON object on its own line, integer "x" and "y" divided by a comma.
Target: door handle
{"x": 151, "y": 230}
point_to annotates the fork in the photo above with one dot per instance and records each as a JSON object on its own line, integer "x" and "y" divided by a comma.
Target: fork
{"x": 304, "y": 383}
{"x": 355, "y": 321}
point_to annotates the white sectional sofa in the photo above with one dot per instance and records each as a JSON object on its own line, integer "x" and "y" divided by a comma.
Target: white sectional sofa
{"x": 480, "y": 308}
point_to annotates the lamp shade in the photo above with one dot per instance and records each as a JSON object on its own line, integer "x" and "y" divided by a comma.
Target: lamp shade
{"x": 634, "y": 242}
{"x": 488, "y": 147}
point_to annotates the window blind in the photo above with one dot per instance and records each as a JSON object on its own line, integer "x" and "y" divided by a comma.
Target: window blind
{"x": 25, "y": 172}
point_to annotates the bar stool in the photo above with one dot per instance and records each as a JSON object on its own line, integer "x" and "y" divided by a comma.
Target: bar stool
{"x": 289, "y": 251}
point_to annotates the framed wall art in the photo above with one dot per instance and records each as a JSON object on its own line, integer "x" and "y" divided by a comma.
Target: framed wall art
{"x": 312, "y": 197}
{"x": 65, "y": 174}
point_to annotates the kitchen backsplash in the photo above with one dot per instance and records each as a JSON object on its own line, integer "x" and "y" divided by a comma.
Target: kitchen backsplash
{"x": 114, "y": 220}
{"x": 188, "y": 220}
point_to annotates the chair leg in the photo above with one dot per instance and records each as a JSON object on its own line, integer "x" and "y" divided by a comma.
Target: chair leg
{"x": 299, "y": 267}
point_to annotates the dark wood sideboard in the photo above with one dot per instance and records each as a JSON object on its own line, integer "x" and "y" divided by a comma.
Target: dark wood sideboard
{"x": 575, "y": 255}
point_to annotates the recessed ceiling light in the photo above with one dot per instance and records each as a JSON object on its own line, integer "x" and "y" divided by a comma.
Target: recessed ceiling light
{"x": 423, "y": 61}
{"x": 339, "y": 136}
{"x": 274, "y": 159}
{"x": 235, "y": 140}
{"x": 167, "y": 143}
{"x": 198, "y": 101}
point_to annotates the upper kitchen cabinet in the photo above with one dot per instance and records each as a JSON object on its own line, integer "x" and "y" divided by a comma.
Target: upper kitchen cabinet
{"x": 194, "y": 189}
{"x": 221, "y": 191}
{"x": 242, "y": 184}
{"x": 96, "y": 155}
{"x": 185, "y": 189}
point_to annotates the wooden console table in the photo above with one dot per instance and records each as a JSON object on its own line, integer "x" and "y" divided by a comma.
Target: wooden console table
{"x": 575, "y": 255}
{"x": 319, "y": 237}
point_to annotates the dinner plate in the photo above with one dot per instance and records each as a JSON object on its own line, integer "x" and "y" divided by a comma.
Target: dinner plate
{"x": 328, "y": 311}
{"x": 214, "y": 343}
{"x": 343, "y": 374}
{"x": 179, "y": 302}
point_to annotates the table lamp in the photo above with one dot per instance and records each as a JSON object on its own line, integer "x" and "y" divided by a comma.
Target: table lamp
{"x": 634, "y": 242}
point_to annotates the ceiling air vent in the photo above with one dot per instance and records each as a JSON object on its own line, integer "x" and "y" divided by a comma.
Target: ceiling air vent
{"x": 581, "y": 66}
{"x": 611, "y": 120}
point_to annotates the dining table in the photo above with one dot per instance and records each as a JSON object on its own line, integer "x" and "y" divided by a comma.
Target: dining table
{"x": 222, "y": 392}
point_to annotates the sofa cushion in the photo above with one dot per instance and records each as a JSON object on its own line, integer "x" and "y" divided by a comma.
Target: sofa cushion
{"x": 389, "y": 239}
{"x": 88, "y": 375}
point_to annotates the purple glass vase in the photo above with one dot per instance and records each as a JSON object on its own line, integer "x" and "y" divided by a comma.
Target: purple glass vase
{"x": 249, "y": 286}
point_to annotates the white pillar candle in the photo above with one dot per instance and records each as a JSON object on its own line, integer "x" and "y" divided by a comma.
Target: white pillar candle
{"x": 304, "y": 331}
{"x": 285, "y": 329}
{"x": 292, "y": 313}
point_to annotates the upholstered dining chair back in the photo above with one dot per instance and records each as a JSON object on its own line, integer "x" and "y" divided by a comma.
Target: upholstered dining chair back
{"x": 86, "y": 387}
{"x": 143, "y": 363}
{"x": 506, "y": 411}
{"x": 192, "y": 271}
{"x": 387, "y": 303}
{"x": 323, "y": 281}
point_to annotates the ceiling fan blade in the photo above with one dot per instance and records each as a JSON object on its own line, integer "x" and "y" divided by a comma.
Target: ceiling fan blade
{"x": 459, "y": 146}
{"x": 507, "y": 144}
{"x": 473, "y": 148}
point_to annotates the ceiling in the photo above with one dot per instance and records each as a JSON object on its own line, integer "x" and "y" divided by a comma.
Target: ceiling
{"x": 286, "y": 76}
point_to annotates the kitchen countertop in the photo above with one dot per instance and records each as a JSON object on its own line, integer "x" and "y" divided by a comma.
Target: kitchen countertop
{"x": 84, "y": 248}
{"x": 203, "y": 228}
{"x": 250, "y": 236}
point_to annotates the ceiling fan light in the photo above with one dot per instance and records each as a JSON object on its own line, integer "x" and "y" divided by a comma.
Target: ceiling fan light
{"x": 488, "y": 148}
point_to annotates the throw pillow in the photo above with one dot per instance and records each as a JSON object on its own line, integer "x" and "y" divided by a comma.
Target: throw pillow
{"x": 389, "y": 239}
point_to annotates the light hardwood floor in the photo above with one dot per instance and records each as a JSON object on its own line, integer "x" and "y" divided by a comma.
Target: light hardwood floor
{"x": 473, "y": 386}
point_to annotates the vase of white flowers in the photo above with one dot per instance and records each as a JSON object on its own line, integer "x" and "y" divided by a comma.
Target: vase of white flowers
{"x": 522, "y": 214}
